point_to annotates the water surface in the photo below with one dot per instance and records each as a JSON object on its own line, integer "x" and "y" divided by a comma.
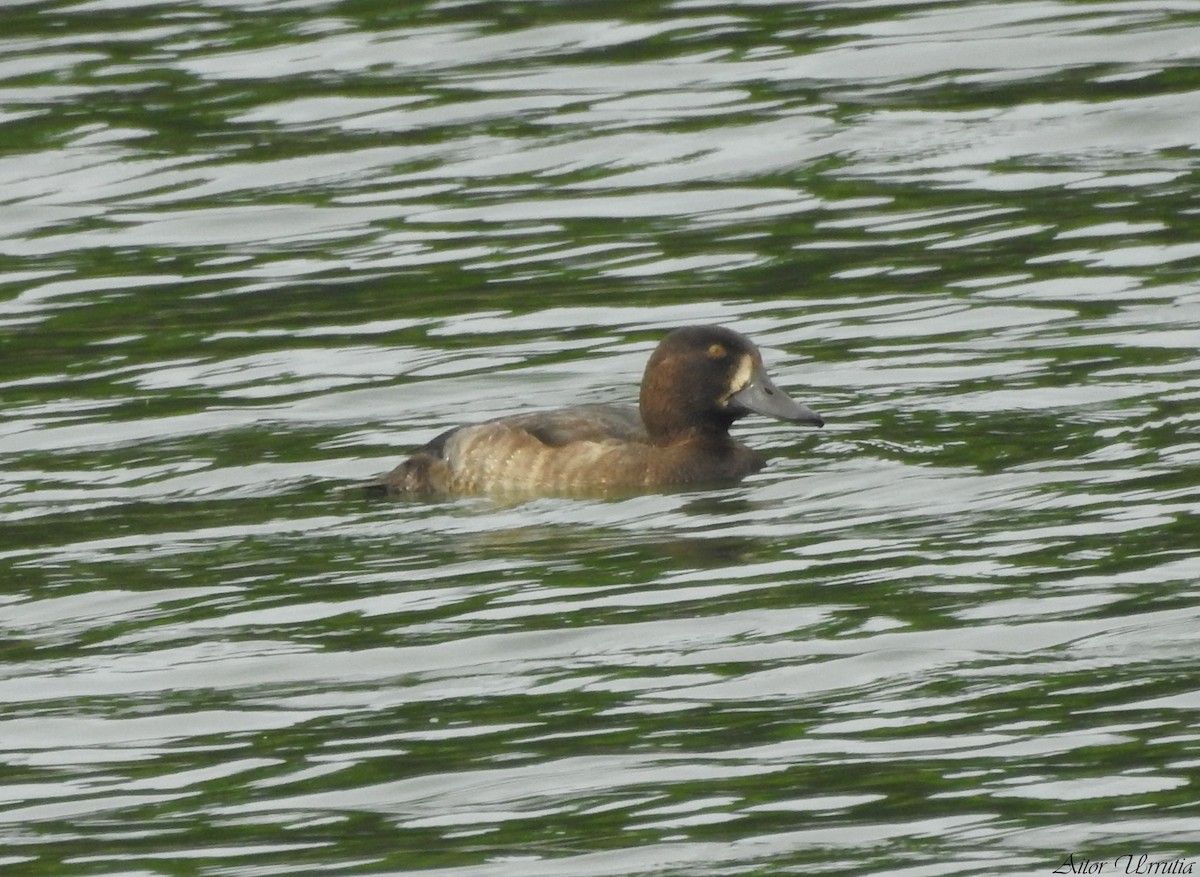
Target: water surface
{"x": 253, "y": 251}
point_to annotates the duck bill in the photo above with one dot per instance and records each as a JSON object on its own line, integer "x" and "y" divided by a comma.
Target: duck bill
{"x": 761, "y": 396}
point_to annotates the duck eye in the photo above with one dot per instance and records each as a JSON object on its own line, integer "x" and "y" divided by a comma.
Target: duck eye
{"x": 716, "y": 351}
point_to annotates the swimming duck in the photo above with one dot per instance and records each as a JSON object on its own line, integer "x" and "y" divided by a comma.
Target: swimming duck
{"x": 699, "y": 380}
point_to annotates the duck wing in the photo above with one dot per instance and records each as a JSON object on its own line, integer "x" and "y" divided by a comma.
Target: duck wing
{"x": 582, "y": 423}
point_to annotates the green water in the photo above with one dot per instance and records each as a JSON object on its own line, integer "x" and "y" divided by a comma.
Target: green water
{"x": 251, "y": 252}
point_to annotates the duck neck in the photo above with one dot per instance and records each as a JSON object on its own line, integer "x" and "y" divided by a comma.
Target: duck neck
{"x": 669, "y": 425}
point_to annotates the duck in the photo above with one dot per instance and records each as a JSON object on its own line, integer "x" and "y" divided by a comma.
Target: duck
{"x": 699, "y": 380}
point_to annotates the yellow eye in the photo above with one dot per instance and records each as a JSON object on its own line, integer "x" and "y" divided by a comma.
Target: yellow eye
{"x": 716, "y": 351}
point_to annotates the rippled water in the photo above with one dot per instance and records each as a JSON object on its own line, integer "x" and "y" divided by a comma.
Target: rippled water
{"x": 253, "y": 251}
